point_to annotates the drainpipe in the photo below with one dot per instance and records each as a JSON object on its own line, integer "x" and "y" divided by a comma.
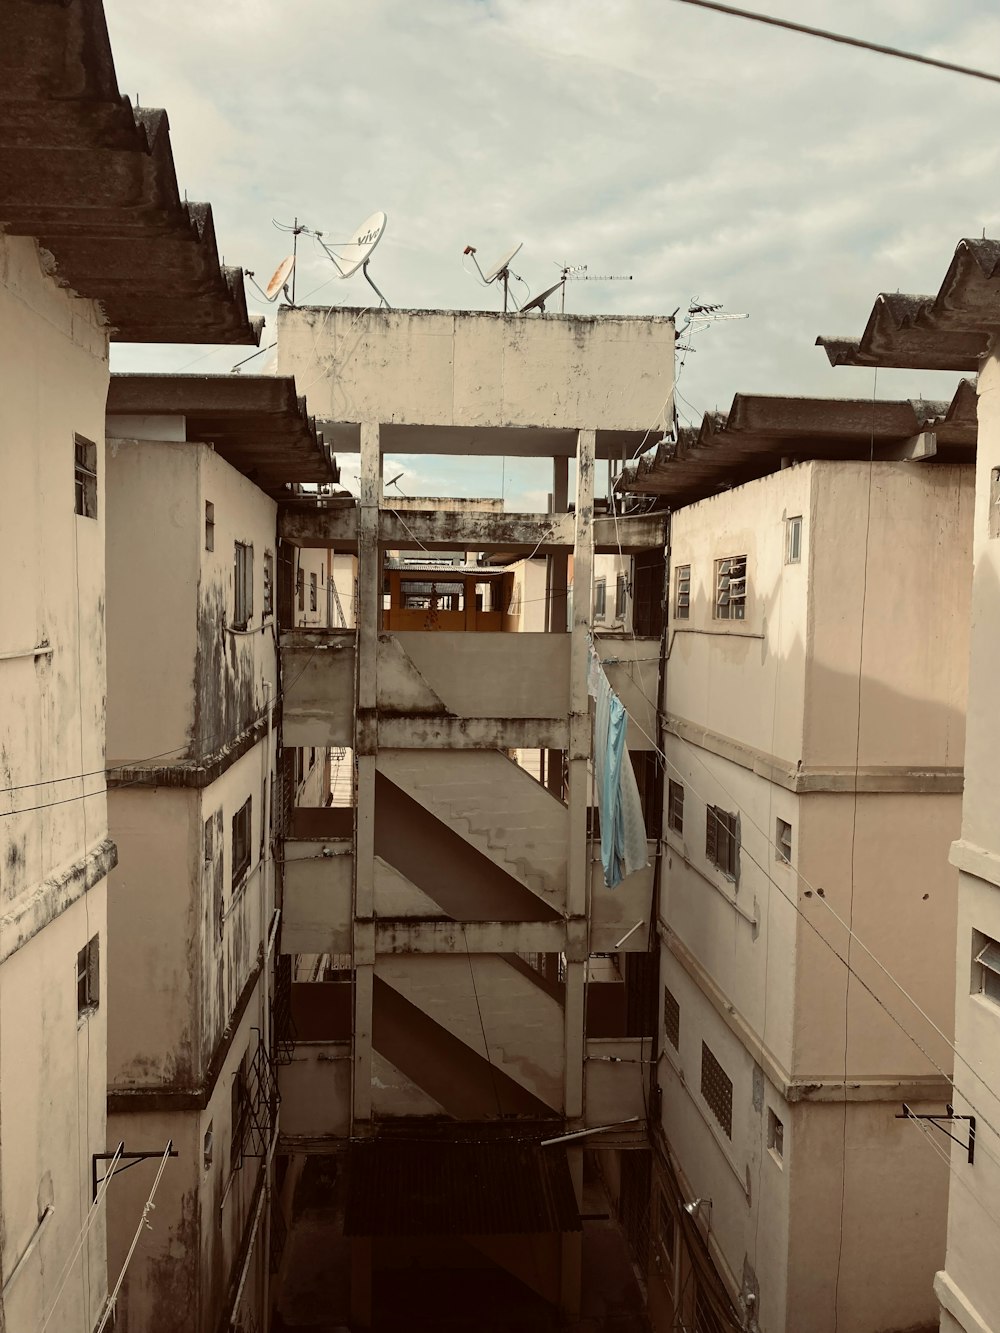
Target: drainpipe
{"x": 267, "y": 938}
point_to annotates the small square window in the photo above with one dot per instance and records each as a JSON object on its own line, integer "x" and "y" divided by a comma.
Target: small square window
{"x": 775, "y": 1135}
{"x": 600, "y": 598}
{"x": 986, "y": 970}
{"x": 682, "y": 592}
{"x": 671, "y": 1018}
{"x": 731, "y": 588}
{"x": 783, "y": 840}
{"x": 268, "y": 584}
{"x": 88, "y": 977}
{"x": 722, "y": 840}
{"x": 793, "y": 540}
{"x": 85, "y": 476}
{"x": 243, "y": 578}
{"x": 209, "y": 526}
{"x": 312, "y": 592}
{"x": 241, "y": 842}
{"x": 675, "y": 806}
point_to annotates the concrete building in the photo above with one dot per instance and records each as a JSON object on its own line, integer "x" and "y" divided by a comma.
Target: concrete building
{"x": 814, "y": 727}
{"x": 458, "y": 1030}
{"x": 956, "y": 330}
{"x": 194, "y": 468}
{"x": 101, "y": 245}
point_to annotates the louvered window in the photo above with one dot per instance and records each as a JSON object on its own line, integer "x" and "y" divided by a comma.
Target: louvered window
{"x": 717, "y": 1090}
{"x": 682, "y": 592}
{"x": 722, "y": 840}
{"x": 675, "y": 806}
{"x": 731, "y": 588}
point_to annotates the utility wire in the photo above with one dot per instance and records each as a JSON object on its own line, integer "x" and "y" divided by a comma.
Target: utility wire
{"x": 844, "y": 40}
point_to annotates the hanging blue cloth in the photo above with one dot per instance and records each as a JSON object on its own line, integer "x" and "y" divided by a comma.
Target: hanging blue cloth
{"x": 623, "y": 829}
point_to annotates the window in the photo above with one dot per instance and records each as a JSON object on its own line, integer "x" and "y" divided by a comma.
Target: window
{"x": 300, "y": 588}
{"x": 986, "y": 976}
{"x": 722, "y": 840}
{"x": 241, "y": 842}
{"x": 85, "y": 476}
{"x": 621, "y": 597}
{"x": 783, "y": 840}
{"x": 268, "y": 584}
{"x": 312, "y": 592}
{"x": 717, "y": 1090}
{"x": 240, "y": 1112}
{"x": 775, "y": 1135}
{"x": 209, "y": 526}
{"x": 731, "y": 588}
{"x": 600, "y": 598}
{"x": 675, "y": 806}
{"x": 671, "y": 1018}
{"x": 682, "y": 592}
{"x": 994, "y": 525}
{"x": 243, "y": 579}
{"x": 88, "y": 977}
{"x": 793, "y": 540}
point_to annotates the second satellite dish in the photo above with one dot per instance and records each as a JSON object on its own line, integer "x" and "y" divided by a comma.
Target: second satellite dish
{"x": 349, "y": 256}
{"x": 280, "y": 276}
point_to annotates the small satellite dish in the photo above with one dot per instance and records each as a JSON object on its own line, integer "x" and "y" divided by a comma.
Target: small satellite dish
{"x": 500, "y": 270}
{"x": 539, "y": 302}
{"x": 280, "y": 276}
{"x": 349, "y": 256}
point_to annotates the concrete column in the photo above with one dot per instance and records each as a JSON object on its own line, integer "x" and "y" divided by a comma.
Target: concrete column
{"x": 557, "y": 581}
{"x": 365, "y": 751}
{"x": 571, "y": 1269}
{"x": 578, "y": 757}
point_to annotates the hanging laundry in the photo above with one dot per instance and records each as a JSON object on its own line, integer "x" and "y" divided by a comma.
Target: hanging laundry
{"x": 623, "y": 829}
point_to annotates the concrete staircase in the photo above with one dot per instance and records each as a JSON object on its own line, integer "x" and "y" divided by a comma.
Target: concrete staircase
{"x": 495, "y": 806}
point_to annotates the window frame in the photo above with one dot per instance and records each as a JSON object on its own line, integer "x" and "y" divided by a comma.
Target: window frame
{"x": 84, "y": 477}
{"x": 300, "y": 587}
{"x": 242, "y": 836}
{"x": 268, "y": 608}
{"x": 88, "y": 978}
{"x": 209, "y": 526}
{"x": 672, "y": 1029}
{"x": 313, "y": 591}
{"x": 775, "y": 1136}
{"x": 682, "y": 592}
{"x": 783, "y": 841}
{"x": 730, "y": 570}
{"x": 793, "y": 540}
{"x": 600, "y": 599}
{"x": 621, "y": 597}
{"x": 722, "y": 840}
{"x": 986, "y": 974}
{"x": 242, "y": 584}
{"x": 675, "y": 806}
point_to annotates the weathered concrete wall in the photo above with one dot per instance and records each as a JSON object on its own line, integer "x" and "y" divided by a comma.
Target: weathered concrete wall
{"x": 317, "y": 903}
{"x": 614, "y": 1086}
{"x": 53, "y": 856}
{"x": 471, "y": 368}
{"x": 318, "y": 682}
{"x": 316, "y": 1091}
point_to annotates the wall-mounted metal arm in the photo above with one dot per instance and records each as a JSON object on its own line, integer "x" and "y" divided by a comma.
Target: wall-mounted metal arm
{"x": 949, "y": 1118}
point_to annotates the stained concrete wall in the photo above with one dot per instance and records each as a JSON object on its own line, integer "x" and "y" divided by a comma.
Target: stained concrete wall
{"x": 53, "y": 856}
{"x": 474, "y": 368}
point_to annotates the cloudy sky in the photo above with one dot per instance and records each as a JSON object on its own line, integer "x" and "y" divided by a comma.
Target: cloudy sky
{"x": 707, "y": 156}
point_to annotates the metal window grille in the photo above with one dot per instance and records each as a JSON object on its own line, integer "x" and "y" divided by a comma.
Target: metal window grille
{"x": 85, "y": 476}
{"x": 243, "y": 582}
{"x": 717, "y": 1090}
{"x": 783, "y": 840}
{"x": 793, "y": 540}
{"x": 241, "y": 842}
{"x": 675, "y": 806}
{"x": 666, "y": 1241}
{"x": 682, "y": 592}
{"x": 313, "y": 603}
{"x": 88, "y": 976}
{"x": 705, "y": 1318}
{"x": 671, "y": 1018}
{"x": 722, "y": 840}
{"x": 300, "y": 588}
{"x": 283, "y": 1024}
{"x": 268, "y": 584}
{"x": 731, "y": 588}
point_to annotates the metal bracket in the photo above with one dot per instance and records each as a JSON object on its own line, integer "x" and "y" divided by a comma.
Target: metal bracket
{"x": 949, "y": 1118}
{"x": 131, "y": 1157}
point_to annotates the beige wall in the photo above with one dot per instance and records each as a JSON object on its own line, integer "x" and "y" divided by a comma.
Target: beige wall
{"x": 54, "y": 856}
{"x": 473, "y": 368}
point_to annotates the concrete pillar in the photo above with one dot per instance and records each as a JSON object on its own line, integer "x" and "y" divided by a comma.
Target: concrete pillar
{"x": 557, "y": 581}
{"x": 578, "y": 757}
{"x": 571, "y": 1267}
{"x": 365, "y": 751}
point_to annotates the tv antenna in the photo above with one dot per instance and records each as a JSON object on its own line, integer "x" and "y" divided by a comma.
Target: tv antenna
{"x": 703, "y": 313}
{"x": 353, "y": 254}
{"x": 500, "y": 270}
{"x": 578, "y": 273}
{"x": 278, "y": 283}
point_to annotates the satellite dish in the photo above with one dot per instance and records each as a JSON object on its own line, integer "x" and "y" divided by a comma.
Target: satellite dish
{"x": 349, "y": 256}
{"x": 539, "y": 302}
{"x": 280, "y": 276}
{"x": 502, "y": 265}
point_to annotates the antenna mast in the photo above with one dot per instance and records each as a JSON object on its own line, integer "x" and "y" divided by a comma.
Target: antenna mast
{"x": 578, "y": 273}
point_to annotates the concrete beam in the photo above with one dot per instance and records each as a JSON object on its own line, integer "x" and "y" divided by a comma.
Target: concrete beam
{"x": 494, "y": 937}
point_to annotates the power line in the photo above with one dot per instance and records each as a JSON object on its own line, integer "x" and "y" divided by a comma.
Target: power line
{"x": 844, "y": 40}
